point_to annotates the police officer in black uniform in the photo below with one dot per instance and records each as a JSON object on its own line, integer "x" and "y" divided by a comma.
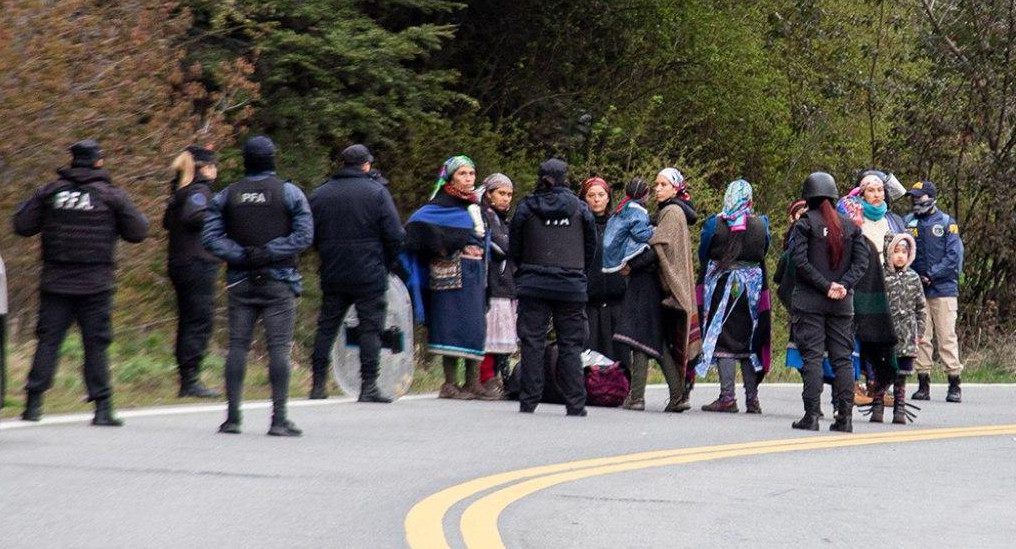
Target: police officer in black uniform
{"x": 258, "y": 226}
{"x": 191, "y": 269}
{"x": 358, "y": 234}
{"x": 830, "y": 256}
{"x": 80, "y": 217}
{"x": 553, "y": 236}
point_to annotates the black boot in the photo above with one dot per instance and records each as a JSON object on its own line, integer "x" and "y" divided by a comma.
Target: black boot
{"x": 923, "y": 388}
{"x": 319, "y": 389}
{"x": 900, "y": 415}
{"x": 877, "y": 402}
{"x": 955, "y": 393}
{"x": 233, "y": 421}
{"x": 282, "y": 427}
{"x": 370, "y": 393}
{"x": 877, "y": 411}
{"x": 33, "y": 407}
{"x": 104, "y": 414}
{"x": 810, "y": 420}
{"x": 196, "y": 389}
{"x": 843, "y": 419}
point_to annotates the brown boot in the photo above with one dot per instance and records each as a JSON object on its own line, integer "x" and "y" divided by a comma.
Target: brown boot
{"x": 451, "y": 389}
{"x": 861, "y": 397}
{"x": 473, "y": 382}
{"x": 495, "y": 386}
{"x": 675, "y": 382}
{"x": 721, "y": 405}
{"x": 637, "y": 392}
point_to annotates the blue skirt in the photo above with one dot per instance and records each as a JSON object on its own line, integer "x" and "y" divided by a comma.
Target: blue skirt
{"x": 456, "y": 319}
{"x": 794, "y": 361}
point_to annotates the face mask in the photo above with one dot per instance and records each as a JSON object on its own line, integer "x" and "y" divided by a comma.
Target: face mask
{"x": 923, "y": 206}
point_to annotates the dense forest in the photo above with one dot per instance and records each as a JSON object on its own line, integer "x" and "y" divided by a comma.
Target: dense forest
{"x": 764, "y": 90}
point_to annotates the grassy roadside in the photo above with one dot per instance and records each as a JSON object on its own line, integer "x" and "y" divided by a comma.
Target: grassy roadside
{"x": 144, "y": 373}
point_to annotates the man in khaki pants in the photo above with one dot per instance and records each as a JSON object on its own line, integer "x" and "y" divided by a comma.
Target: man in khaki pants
{"x": 939, "y": 262}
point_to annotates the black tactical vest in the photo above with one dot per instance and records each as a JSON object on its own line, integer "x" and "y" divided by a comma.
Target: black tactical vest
{"x": 78, "y": 226}
{"x": 554, "y": 242}
{"x": 256, "y": 213}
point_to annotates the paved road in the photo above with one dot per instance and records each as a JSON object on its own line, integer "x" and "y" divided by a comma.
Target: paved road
{"x": 168, "y": 480}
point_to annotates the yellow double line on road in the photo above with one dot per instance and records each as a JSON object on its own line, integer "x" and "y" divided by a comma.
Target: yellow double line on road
{"x": 424, "y": 523}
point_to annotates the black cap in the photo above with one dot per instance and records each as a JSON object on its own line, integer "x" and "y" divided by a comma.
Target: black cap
{"x": 553, "y": 173}
{"x": 86, "y": 153}
{"x": 356, "y": 155}
{"x": 258, "y": 155}
{"x": 202, "y": 155}
{"x": 922, "y": 188}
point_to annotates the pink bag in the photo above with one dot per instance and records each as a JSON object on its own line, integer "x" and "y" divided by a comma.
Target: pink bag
{"x": 606, "y": 385}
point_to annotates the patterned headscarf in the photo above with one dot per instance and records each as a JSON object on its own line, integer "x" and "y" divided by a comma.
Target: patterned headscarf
{"x": 497, "y": 181}
{"x": 594, "y": 182}
{"x": 737, "y": 205}
{"x": 799, "y": 205}
{"x": 637, "y": 190}
{"x": 676, "y": 179}
{"x": 448, "y": 169}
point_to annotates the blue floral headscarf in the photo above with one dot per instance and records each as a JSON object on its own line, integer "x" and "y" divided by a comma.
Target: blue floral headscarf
{"x": 737, "y": 205}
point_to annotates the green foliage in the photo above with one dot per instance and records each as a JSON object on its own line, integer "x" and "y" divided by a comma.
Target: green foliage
{"x": 765, "y": 90}
{"x": 331, "y": 73}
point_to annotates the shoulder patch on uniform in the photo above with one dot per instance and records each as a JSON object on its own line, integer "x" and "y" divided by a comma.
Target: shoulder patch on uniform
{"x": 198, "y": 199}
{"x": 954, "y": 228}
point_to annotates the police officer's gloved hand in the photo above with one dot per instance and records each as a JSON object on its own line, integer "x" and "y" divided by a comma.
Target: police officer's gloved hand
{"x": 255, "y": 257}
{"x": 925, "y": 280}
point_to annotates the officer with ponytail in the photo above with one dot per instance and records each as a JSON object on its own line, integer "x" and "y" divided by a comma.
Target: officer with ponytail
{"x": 191, "y": 268}
{"x": 830, "y": 256}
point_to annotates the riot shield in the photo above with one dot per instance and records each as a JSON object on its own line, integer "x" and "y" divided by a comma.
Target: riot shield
{"x": 396, "y": 366}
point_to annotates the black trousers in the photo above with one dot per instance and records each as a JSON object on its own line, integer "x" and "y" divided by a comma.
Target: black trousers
{"x": 274, "y": 303}
{"x": 3, "y": 359}
{"x": 571, "y": 329}
{"x": 195, "y": 302}
{"x": 815, "y": 335}
{"x": 56, "y": 313}
{"x": 370, "y": 310}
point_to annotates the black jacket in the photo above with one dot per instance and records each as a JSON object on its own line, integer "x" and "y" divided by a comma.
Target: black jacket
{"x": 79, "y": 234}
{"x": 184, "y": 219}
{"x": 500, "y": 268}
{"x": 603, "y": 287}
{"x": 357, "y": 232}
{"x": 813, "y": 272}
{"x": 548, "y": 280}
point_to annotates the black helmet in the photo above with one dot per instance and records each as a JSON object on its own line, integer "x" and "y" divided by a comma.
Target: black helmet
{"x": 819, "y": 185}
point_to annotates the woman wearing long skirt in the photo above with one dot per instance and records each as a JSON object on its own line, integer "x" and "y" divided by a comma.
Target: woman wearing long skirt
{"x": 502, "y": 305}
{"x": 605, "y": 290}
{"x": 447, "y": 242}
{"x": 735, "y": 302}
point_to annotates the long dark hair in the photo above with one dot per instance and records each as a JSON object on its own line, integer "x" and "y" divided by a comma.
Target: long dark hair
{"x": 835, "y": 236}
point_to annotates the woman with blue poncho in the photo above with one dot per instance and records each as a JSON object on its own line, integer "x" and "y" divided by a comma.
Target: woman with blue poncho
{"x": 734, "y": 298}
{"x": 446, "y": 244}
